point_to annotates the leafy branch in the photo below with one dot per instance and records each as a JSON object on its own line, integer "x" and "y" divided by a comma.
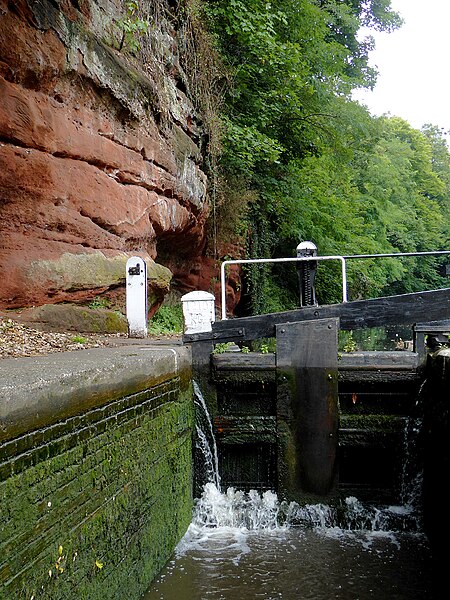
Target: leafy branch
{"x": 132, "y": 26}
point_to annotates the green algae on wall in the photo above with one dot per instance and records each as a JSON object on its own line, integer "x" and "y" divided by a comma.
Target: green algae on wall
{"x": 95, "y": 507}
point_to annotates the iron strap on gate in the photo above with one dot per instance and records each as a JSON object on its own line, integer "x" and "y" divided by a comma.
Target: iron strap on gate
{"x": 342, "y": 259}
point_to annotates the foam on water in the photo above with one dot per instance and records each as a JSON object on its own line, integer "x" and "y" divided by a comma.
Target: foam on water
{"x": 224, "y": 522}
{"x": 226, "y": 517}
{"x": 254, "y": 511}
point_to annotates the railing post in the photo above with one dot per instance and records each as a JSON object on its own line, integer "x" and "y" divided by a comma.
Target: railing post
{"x": 307, "y": 273}
{"x": 136, "y": 297}
{"x": 198, "y": 311}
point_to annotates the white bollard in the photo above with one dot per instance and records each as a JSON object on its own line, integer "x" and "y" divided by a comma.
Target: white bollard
{"x": 198, "y": 311}
{"x": 136, "y": 297}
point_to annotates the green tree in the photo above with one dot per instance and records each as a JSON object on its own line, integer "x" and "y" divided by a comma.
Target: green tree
{"x": 318, "y": 165}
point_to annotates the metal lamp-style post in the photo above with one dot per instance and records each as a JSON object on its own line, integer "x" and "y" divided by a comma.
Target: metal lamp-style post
{"x": 307, "y": 273}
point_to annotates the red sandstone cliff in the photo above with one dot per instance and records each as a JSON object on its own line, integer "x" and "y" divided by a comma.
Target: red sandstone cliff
{"x": 98, "y": 159}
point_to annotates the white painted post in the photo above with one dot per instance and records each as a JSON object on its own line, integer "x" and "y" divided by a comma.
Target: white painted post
{"x": 198, "y": 311}
{"x": 136, "y": 297}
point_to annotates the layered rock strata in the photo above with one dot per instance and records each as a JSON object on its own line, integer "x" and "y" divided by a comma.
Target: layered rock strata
{"x": 100, "y": 155}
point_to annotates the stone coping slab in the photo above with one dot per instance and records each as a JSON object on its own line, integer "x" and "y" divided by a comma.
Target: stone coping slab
{"x": 38, "y": 391}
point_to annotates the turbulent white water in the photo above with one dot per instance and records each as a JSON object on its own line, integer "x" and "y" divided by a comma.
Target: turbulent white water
{"x": 251, "y": 545}
{"x": 233, "y": 508}
{"x": 252, "y": 511}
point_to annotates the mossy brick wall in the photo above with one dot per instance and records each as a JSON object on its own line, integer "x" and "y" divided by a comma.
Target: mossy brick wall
{"x": 92, "y": 506}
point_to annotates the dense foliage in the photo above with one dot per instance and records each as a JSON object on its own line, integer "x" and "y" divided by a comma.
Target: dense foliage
{"x": 308, "y": 163}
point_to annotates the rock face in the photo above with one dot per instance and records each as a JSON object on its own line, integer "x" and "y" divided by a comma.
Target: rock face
{"x": 100, "y": 157}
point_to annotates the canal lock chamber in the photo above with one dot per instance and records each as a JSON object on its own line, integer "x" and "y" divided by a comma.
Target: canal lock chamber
{"x": 366, "y": 538}
{"x": 379, "y": 448}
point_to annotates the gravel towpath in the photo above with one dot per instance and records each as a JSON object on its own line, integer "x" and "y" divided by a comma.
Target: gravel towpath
{"x": 18, "y": 340}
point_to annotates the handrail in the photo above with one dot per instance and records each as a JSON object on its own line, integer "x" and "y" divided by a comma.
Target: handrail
{"x": 399, "y": 254}
{"x": 278, "y": 260}
{"x": 343, "y": 260}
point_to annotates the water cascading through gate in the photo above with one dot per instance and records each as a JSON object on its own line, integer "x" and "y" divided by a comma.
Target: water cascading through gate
{"x": 254, "y": 544}
{"x": 206, "y": 459}
{"x": 254, "y": 511}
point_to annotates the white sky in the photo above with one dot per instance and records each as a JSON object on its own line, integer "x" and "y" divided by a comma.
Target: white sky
{"x": 414, "y": 66}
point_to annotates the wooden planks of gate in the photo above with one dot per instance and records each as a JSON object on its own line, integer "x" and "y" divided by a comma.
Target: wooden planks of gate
{"x": 307, "y": 407}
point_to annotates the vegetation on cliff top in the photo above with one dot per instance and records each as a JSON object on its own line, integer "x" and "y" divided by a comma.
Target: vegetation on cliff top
{"x": 300, "y": 160}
